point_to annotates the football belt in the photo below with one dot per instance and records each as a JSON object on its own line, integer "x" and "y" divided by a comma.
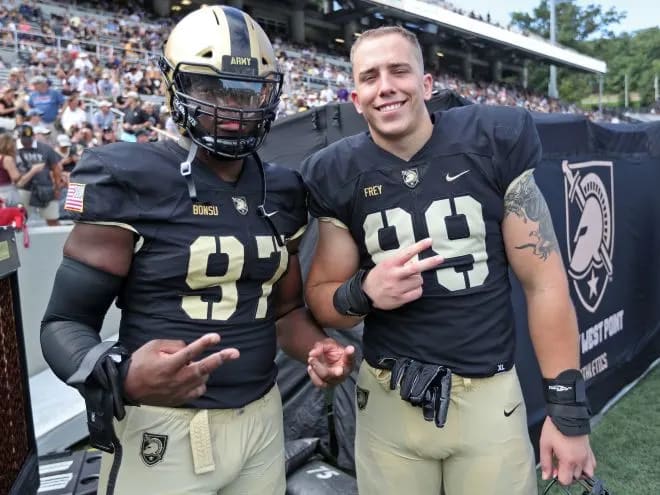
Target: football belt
{"x": 423, "y": 385}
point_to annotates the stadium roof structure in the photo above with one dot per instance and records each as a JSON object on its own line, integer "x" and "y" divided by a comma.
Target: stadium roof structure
{"x": 436, "y": 16}
{"x": 455, "y": 34}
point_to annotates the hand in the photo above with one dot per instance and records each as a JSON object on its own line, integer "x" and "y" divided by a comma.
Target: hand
{"x": 328, "y": 363}
{"x": 163, "y": 373}
{"x": 573, "y": 454}
{"x": 397, "y": 280}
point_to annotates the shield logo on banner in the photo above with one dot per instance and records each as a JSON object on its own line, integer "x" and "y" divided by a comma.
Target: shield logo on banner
{"x": 153, "y": 448}
{"x": 410, "y": 177}
{"x": 589, "y": 196}
{"x": 240, "y": 203}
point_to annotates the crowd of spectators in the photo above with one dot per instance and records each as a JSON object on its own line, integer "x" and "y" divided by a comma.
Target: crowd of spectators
{"x": 91, "y": 79}
{"x": 106, "y": 58}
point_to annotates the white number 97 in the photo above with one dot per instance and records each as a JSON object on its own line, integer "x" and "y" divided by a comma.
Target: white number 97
{"x": 197, "y": 278}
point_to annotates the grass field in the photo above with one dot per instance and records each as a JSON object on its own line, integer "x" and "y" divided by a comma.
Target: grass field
{"x": 627, "y": 442}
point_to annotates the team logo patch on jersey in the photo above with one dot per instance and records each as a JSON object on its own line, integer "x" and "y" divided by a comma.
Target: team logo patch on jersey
{"x": 75, "y": 196}
{"x": 410, "y": 177}
{"x": 361, "y": 396}
{"x": 240, "y": 203}
{"x": 589, "y": 228}
{"x": 153, "y": 448}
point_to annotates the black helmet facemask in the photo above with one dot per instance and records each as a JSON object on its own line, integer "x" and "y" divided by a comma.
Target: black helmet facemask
{"x": 227, "y": 114}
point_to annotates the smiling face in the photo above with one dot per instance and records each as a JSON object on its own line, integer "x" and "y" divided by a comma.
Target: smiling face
{"x": 391, "y": 89}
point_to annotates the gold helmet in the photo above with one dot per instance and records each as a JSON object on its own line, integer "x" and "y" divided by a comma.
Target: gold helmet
{"x": 222, "y": 79}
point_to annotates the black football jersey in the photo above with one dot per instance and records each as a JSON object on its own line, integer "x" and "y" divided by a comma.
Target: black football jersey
{"x": 453, "y": 191}
{"x": 204, "y": 266}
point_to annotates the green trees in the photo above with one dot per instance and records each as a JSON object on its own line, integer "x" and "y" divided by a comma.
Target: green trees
{"x": 589, "y": 30}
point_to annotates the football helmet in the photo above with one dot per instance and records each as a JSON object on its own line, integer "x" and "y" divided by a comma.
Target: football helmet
{"x": 223, "y": 84}
{"x": 587, "y": 486}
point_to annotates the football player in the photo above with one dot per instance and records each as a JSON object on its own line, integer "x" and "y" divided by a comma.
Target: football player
{"x": 420, "y": 219}
{"x": 197, "y": 240}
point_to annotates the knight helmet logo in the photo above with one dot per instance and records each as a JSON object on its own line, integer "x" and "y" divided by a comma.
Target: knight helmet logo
{"x": 589, "y": 228}
{"x": 240, "y": 203}
{"x": 153, "y": 448}
{"x": 410, "y": 177}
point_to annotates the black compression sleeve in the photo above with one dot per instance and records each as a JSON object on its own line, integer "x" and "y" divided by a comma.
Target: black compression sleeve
{"x": 80, "y": 298}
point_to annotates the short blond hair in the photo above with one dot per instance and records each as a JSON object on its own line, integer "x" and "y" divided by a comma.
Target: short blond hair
{"x": 386, "y": 30}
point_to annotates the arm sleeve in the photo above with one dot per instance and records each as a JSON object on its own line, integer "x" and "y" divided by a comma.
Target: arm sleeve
{"x": 70, "y": 327}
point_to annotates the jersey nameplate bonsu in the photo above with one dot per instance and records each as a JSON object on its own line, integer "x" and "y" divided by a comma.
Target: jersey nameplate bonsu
{"x": 205, "y": 210}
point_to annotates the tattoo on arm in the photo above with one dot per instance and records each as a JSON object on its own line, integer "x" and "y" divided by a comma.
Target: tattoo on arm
{"x": 524, "y": 199}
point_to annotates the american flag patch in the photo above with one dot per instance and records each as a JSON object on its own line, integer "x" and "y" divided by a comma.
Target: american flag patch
{"x": 74, "y": 197}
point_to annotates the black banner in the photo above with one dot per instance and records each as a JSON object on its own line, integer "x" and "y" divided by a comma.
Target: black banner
{"x": 601, "y": 185}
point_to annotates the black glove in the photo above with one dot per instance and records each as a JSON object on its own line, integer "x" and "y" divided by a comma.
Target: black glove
{"x": 423, "y": 385}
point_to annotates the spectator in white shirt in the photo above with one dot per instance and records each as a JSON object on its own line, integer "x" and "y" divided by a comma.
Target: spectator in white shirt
{"x": 83, "y": 63}
{"x": 76, "y": 77}
{"x": 73, "y": 114}
{"x": 88, "y": 87}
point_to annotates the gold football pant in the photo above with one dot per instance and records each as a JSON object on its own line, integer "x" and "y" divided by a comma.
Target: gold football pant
{"x": 174, "y": 451}
{"x": 484, "y": 447}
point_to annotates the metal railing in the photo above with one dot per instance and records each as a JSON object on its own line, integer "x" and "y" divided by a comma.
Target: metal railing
{"x": 23, "y": 43}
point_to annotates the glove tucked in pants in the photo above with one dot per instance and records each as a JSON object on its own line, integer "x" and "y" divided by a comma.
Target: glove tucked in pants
{"x": 480, "y": 449}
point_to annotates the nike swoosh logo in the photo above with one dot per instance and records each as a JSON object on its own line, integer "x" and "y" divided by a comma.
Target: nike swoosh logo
{"x": 509, "y": 413}
{"x": 451, "y": 178}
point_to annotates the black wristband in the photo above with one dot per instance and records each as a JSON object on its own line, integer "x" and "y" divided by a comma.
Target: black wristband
{"x": 567, "y": 403}
{"x": 350, "y": 299}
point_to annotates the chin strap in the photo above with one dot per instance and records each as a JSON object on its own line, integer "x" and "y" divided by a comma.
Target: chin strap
{"x": 186, "y": 171}
{"x": 261, "y": 209}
